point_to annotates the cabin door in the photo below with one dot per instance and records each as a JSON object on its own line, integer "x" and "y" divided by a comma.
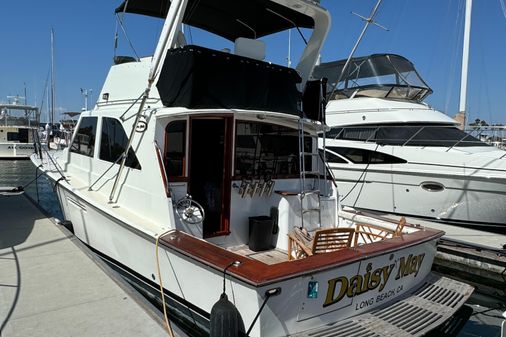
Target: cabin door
{"x": 209, "y": 168}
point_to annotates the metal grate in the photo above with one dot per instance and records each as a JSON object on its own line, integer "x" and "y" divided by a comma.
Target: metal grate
{"x": 437, "y": 299}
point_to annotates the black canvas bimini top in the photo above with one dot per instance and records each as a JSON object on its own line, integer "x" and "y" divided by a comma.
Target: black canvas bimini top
{"x": 227, "y": 18}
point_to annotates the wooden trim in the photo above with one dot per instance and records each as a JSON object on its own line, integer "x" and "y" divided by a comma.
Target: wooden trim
{"x": 259, "y": 274}
{"x": 228, "y": 158}
{"x": 162, "y": 169}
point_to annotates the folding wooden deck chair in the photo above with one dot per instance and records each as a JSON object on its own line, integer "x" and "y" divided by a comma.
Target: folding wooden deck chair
{"x": 302, "y": 244}
{"x": 369, "y": 233}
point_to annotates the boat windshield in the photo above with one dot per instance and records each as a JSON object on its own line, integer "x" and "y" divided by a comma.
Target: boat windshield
{"x": 408, "y": 135}
{"x": 19, "y": 115}
{"x": 378, "y": 75}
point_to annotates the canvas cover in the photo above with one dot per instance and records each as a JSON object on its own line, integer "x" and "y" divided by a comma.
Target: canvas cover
{"x": 228, "y": 18}
{"x": 196, "y": 77}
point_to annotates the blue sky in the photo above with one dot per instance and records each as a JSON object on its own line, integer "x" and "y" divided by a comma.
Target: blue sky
{"x": 428, "y": 32}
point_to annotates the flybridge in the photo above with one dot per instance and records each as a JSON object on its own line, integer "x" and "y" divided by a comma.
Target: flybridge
{"x": 238, "y": 79}
{"x": 377, "y": 75}
{"x": 228, "y": 18}
{"x": 19, "y": 115}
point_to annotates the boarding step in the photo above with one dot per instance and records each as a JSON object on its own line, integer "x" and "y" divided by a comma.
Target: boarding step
{"x": 309, "y": 210}
{"x": 309, "y": 192}
{"x": 313, "y": 173}
{"x": 437, "y": 299}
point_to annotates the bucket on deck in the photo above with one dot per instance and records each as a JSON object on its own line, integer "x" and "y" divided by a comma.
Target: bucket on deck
{"x": 260, "y": 233}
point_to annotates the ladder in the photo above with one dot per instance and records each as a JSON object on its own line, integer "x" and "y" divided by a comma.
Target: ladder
{"x": 311, "y": 183}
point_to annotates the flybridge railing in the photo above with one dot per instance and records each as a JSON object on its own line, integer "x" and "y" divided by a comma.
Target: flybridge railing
{"x": 19, "y": 116}
{"x": 409, "y": 135}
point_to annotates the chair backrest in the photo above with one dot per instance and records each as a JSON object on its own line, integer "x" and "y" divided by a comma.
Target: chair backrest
{"x": 251, "y": 48}
{"x": 369, "y": 233}
{"x": 328, "y": 240}
{"x": 400, "y": 226}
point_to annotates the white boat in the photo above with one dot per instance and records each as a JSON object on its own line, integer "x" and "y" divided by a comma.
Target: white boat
{"x": 390, "y": 151}
{"x": 226, "y": 128}
{"x": 18, "y": 125}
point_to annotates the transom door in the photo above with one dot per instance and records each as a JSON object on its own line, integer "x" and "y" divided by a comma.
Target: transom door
{"x": 209, "y": 170}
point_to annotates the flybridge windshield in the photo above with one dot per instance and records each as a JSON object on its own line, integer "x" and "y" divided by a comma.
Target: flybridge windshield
{"x": 379, "y": 75}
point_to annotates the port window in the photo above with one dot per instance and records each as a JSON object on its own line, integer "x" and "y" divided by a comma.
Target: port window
{"x": 114, "y": 142}
{"x": 12, "y": 136}
{"x": 268, "y": 150}
{"x": 84, "y": 139}
{"x": 175, "y": 150}
{"x": 361, "y": 156}
{"x": 332, "y": 157}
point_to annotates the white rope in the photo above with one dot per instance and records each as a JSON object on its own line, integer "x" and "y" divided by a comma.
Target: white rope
{"x": 165, "y": 315}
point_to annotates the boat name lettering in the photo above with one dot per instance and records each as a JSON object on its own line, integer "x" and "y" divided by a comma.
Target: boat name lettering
{"x": 409, "y": 266}
{"x": 378, "y": 278}
{"x": 11, "y": 147}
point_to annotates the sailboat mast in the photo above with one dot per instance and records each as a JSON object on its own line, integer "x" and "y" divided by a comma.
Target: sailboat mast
{"x": 465, "y": 61}
{"x": 52, "y": 78}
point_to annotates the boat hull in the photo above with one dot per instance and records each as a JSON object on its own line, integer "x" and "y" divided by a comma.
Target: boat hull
{"x": 16, "y": 150}
{"x": 381, "y": 276}
{"x": 453, "y": 198}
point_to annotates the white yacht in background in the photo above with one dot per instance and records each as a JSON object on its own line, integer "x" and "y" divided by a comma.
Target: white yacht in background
{"x": 19, "y": 124}
{"x": 228, "y": 129}
{"x": 390, "y": 151}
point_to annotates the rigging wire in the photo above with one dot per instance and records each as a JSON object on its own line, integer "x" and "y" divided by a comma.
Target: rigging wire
{"x": 483, "y": 85}
{"x": 395, "y": 30}
{"x": 44, "y": 92}
{"x": 360, "y": 177}
{"x": 459, "y": 27}
{"x": 120, "y": 22}
{"x": 441, "y": 41}
{"x": 368, "y": 22}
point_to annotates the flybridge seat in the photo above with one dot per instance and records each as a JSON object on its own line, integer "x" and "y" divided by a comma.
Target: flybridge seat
{"x": 199, "y": 78}
{"x": 254, "y": 49}
{"x": 124, "y": 59}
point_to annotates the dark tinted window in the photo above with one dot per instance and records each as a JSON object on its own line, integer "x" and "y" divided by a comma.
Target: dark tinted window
{"x": 408, "y": 135}
{"x": 353, "y": 133}
{"x": 175, "y": 149}
{"x": 114, "y": 142}
{"x": 268, "y": 150}
{"x": 84, "y": 140}
{"x": 361, "y": 156}
{"x": 332, "y": 158}
{"x": 12, "y": 136}
{"x": 23, "y": 135}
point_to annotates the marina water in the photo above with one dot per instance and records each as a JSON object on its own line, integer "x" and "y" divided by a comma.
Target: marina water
{"x": 484, "y": 321}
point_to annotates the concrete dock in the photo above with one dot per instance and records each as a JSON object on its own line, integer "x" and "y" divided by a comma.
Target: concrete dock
{"x": 51, "y": 286}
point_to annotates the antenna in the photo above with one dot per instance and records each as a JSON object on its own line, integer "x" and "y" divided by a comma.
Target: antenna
{"x": 86, "y": 93}
{"x": 368, "y": 21}
{"x": 289, "y": 58}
